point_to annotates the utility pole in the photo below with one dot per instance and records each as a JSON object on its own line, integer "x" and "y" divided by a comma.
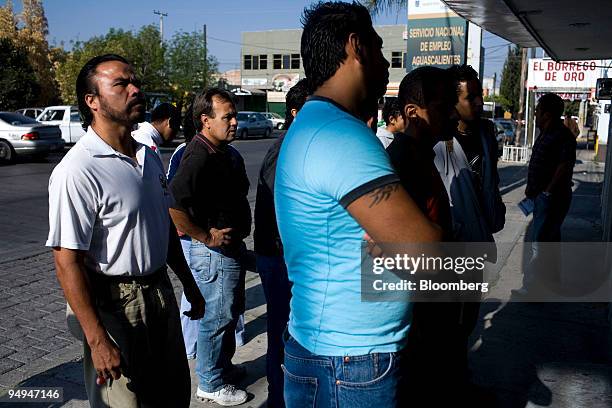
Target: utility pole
{"x": 521, "y": 112}
{"x": 494, "y": 83}
{"x": 205, "y": 73}
{"x": 205, "y": 43}
{"x": 161, "y": 25}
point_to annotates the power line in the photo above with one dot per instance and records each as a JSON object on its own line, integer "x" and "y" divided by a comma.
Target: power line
{"x": 252, "y": 45}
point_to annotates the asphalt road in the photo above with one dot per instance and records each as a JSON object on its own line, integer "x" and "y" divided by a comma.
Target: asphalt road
{"x": 24, "y": 198}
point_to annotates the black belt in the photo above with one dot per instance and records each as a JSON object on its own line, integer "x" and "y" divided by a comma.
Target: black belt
{"x": 140, "y": 279}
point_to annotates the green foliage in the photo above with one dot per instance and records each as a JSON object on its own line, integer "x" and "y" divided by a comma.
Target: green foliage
{"x": 380, "y": 6}
{"x": 142, "y": 49}
{"x": 178, "y": 67}
{"x": 510, "y": 87}
{"x": 18, "y": 84}
{"x": 572, "y": 108}
{"x": 189, "y": 68}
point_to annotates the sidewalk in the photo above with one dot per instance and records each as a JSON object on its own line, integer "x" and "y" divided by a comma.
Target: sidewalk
{"x": 545, "y": 354}
{"x": 554, "y": 355}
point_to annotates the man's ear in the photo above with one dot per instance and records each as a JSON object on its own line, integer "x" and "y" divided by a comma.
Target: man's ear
{"x": 294, "y": 112}
{"x": 410, "y": 111}
{"x": 92, "y": 101}
{"x": 354, "y": 47}
{"x": 205, "y": 121}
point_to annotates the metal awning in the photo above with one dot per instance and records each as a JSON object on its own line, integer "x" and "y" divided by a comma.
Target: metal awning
{"x": 566, "y": 29}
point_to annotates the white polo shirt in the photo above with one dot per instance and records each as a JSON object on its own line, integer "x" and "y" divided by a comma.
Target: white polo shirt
{"x": 113, "y": 208}
{"x": 148, "y": 136}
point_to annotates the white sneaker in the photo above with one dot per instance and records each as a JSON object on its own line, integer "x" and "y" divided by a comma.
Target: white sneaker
{"x": 227, "y": 396}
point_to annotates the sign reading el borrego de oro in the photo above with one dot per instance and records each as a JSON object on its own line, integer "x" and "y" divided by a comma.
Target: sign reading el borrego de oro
{"x": 546, "y": 73}
{"x": 436, "y": 35}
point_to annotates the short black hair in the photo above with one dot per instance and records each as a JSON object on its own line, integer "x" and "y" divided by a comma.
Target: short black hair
{"x": 295, "y": 99}
{"x": 203, "y": 104}
{"x": 463, "y": 73}
{"x": 327, "y": 26}
{"x": 421, "y": 85}
{"x": 85, "y": 85}
{"x": 551, "y": 103}
{"x": 392, "y": 108}
{"x": 165, "y": 111}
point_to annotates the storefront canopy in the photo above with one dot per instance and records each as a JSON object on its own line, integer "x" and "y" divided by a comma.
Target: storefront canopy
{"x": 567, "y": 29}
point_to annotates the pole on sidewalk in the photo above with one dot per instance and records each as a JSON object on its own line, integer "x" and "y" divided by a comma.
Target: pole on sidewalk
{"x": 521, "y": 112}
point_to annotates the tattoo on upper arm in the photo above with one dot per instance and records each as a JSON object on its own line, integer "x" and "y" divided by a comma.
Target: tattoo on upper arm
{"x": 382, "y": 194}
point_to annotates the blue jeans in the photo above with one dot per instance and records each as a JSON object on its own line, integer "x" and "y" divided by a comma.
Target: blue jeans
{"x": 277, "y": 289}
{"x": 189, "y": 327}
{"x": 221, "y": 280}
{"x": 342, "y": 381}
{"x": 548, "y": 216}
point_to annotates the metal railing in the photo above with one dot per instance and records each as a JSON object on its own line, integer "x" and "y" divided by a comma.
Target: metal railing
{"x": 516, "y": 154}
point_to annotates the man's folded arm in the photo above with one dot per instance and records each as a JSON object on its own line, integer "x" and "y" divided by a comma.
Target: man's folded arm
{"x": 390, "y": 216}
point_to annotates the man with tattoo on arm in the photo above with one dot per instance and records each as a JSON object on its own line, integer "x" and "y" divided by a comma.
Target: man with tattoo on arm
{"x": 334, "y": 182}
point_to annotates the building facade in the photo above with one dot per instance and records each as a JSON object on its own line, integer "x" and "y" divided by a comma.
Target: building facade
{"x": 271, "y": 62}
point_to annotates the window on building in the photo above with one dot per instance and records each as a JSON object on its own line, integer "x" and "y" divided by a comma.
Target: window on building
{"x": 255, "y": 59}
{"x": 295, "y": 61}
{"x": 263, "y": 61}
{"x": 397, "y": 59}
{"x": 247, "y": 62}
{"x": 286, "y": 60}
{"x": 277, "y": 62}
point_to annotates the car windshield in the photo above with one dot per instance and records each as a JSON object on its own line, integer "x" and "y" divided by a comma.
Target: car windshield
{"x": 53, "y": 114}
{"x": 16, "y": 119}
{"x": 274, "y": 115}
{"x": 242, "y": 117}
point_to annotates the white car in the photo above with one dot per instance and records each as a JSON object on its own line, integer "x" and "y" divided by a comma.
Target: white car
{"x": 277, "y": 120}
{"x": 67, "y": 118}
{"x": 23, "y": 135}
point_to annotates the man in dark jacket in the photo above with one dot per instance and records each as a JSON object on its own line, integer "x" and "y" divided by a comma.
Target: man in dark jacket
{"x": 210, "y": 191}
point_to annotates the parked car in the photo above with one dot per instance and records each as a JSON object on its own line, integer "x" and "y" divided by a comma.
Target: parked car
{"x": 67, "y": 118}
{"x": 30, "y": 112}
{"x": 23, "y": 135}
{"x": 253, "y": 123}
{"x": 508, "y": 128}
{"x": 277, "y": 120}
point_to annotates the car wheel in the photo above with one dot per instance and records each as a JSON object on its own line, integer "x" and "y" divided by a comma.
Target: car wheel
{"x": 244, "y": 134}
{"x": 267, "y": 133}
{"x": 7, "y": 153}
{"x": 280, "y": 126}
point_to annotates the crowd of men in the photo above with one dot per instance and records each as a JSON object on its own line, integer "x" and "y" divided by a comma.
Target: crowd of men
{"x": 326, "y": 187}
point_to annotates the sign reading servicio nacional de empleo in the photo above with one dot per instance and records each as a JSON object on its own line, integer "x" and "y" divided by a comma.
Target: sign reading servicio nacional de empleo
{"x": 436, "y": 35}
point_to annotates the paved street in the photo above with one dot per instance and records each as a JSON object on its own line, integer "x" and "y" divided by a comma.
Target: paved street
{"x": 547, "y": 355}
{"x": 33, "y": 335}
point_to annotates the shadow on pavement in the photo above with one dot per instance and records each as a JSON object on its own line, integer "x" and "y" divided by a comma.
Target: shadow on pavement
{"x": 68, "y": 376}
{"x": 548, "y": 354}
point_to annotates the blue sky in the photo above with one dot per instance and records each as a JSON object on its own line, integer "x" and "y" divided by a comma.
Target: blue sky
{"x": 225, "y": 20}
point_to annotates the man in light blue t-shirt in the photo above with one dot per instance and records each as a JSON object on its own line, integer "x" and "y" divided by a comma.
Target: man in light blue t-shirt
{"x": 334, "y": 183}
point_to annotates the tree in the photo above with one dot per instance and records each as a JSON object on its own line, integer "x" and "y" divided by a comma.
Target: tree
{"x": 33, "y": 36}
{"x": 18, "y": 85}
{"x": 8, "y": 22}
{"x": 143, "y": 50}
{"x": 510, "y": 86}
{"x": 189, "y": 68}
{"x": 377, "y": 7}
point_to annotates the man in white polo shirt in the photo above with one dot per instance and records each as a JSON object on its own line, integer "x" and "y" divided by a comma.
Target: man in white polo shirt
{"x": 111, "y": 237}
{"x": 164, "y": 126}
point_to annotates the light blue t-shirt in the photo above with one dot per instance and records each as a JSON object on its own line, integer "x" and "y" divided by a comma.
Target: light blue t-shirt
{"x": 328, "y": 159}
